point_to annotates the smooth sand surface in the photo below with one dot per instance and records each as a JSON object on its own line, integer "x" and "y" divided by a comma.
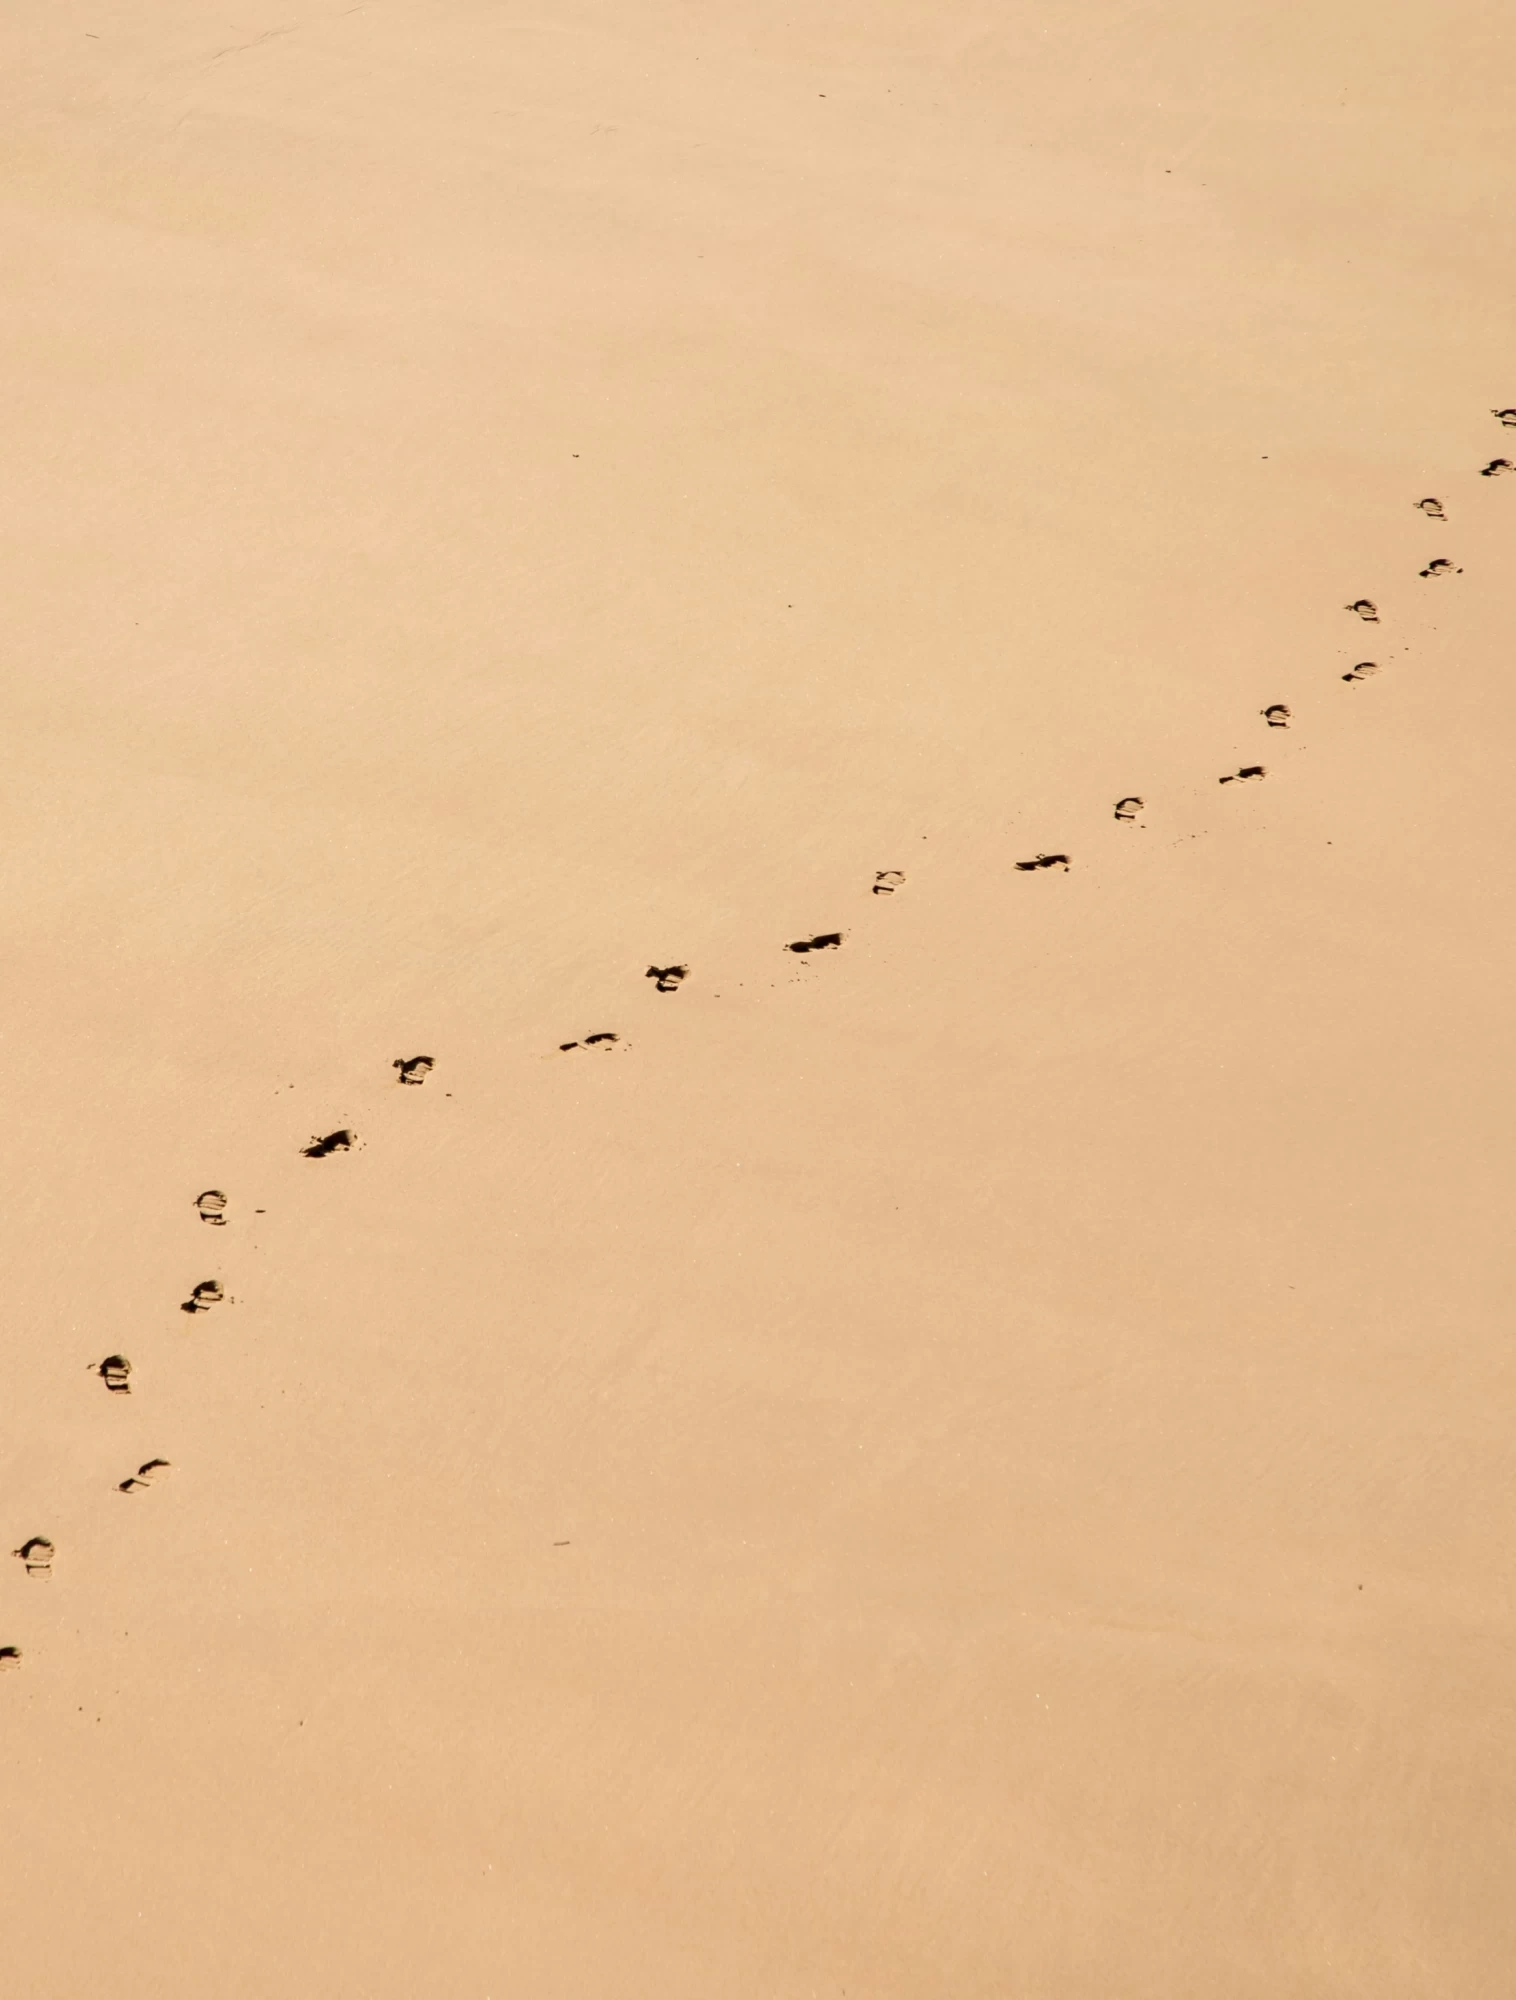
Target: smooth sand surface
{"x": 975, "y": 1465}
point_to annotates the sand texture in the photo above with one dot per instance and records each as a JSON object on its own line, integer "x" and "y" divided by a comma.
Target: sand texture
{"x": 969, "y": 1461}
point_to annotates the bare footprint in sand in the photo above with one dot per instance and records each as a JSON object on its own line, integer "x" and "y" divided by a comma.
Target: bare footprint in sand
{"x": 212, "y": 1207}
{"x": 148, "y": 1474}
{"x": 1128, "y": 809}
{"x": 888, "y": 880}
{"x": 205, "y": 1295}
{"x": 1365, "y": 670}
{"x": 1277, "y": 715}
{"x": 1367, "y": 610}
{"x": 822, "y": 941}
{"x": 1432, "y": 509}
{"x": 669, "y": 977}
{"x": 37, "y": 1554}
{"x": 113, "y": 1372}
{"x": 413, "y": 1069}
{"x": 341, "y": 1141}
{"x": 1441, "y": 567}
{"x": 1507, "y": 417}
{"x": 1045, "y": 861}
{"x": 1247, "y": 772}
{"x": 1495, "y": 468}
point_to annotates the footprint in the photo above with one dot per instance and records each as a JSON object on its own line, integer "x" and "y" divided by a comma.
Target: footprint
{"x": 1045, "y": 861}
{"x": 1128, "y": 809}
{"x": 1507, "y": 417}
{"x": 822, "y": 941}
{"x": 888, "y": 880}
{"x": 1495, "y": 467}
{"x": 212, "y": 1207}
{"x": 37, "y": 1554}
{"x": 334, "y": 1142}
{"x": 1441, "y": 567}
{"x": 1432, "y": 509}
{"x": 113, "y": 1372}
{"x": 203, "y": 1297}
{"x": 1367, "y": 610}
{"x": 1276, "y": 716}
{"x": 10, "y": 1659}
{"x": 1247, "y": 771}
{"x": 667, "y": 976}
{"x": 413, "y": 1069}
{"x": 1364, "y": 670}
{"x": 589, "y": 1042}
{"x": 145, "y": 1476}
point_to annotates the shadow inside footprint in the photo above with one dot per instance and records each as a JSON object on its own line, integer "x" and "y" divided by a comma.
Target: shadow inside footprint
{"x": 1441, "y": 567}
{"x": 413, "y": 1069}
{"x": 1045, "y": 861}
{"x": 1507, "y": 417}
{"x": 1495, "y": 467}
{"x": 888, "y": 880}
{"x": 212, "y": 1207}
{"x": 146, "y": 1475}
{"x": 203, "y": 1297}
{"x": 1277, "y": 716}
{"x": 10, "y": 1658}
{"x": 1432, "y": 509}
{"x": 334, "y": 1142}
{"x": 1247, "y": 771}
{"x": 113, "y": 1372}
{"x": 1365, "y": 670}
{"x": 667, "y": 976}
{"x": 1128, "y": 809}
{"x": 589, "y": 1042}
{"x": 1367, "y": 610}
{"x": 822, "y": 941}
{"x": 37, "y": 1554}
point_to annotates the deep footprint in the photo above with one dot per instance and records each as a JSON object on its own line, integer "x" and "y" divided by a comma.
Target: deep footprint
{"x": 1495, "y": 467}
{"x": 822, "y": 941}
{"x": 1432, "y": 509}
{"x": 113, "y": 1372}
{"x": 212, "y": 1207}
{"x": 669, "y": 977}
{"x": 1365, "y": 670}
{"x": 146, "y": 1475}
{"x": 10, "y": 1659}
{"x": 1367, "y": 610}
{"x": 1441, "y": 567}
{"x": 1277, "y": 715}
{"x": 203, "y": 1297}
{"x": 1247, "y": 771}
{"x": 589, "y": 1042}
{"x": 1507, "y": 417}
{"x": 888, "y": 880}
{"x": 413, "y": 1069}
{"x": 1045, "y": 861}
{"x": 334, "y": 1142}
{"x": 1128, "y": 809}
{"x": 37, "y": 1554}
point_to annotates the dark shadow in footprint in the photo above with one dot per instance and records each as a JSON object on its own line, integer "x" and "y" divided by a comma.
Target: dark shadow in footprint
{"x": 1045, "y": 861}
{"x": 1507, "y": 417}
{"x": 1441, "y": 567}
{"x": 37, "y": 1554}
{"x": 10, "y": 1658}
{"x": 888, "y": 880}
{"x": 334, "y": 1142}
{"x": 1277, "y": 715}
{"x": 413, "y": 1069}
{"x": 591, "y": 1040}
{"x": 822, "y": 941}
{"x": 203, "y": 1297}
{"x": 113, "y": 1372}
{"x": 667, "y": 976}
{"x": 1247, "y": 771}
{"x": 1367, "y": 610}
{"x": 1365, "y": 670}
{"x": 1432, "y": 509}
{"x": 1126, "y": 809}
{"x": 212, "y": 1207}
{"x": 146, "y": 1475}
{"x": 1495, "y": 467}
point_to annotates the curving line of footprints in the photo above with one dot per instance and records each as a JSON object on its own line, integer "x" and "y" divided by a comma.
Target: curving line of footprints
{"x": 37, "y": 1553}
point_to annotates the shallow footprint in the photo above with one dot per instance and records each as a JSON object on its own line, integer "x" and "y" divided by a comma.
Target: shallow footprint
{"x": 1128, "y": 809}
{"x": 1365, "y": 670}
{"x": 888, "y": 880}
{"x": 113, "y": 1372}
{"x": 1441, "y": 567}
{"x": 413, "y": 1069}
{"x": 822, "y": 941}
{"x": 1366, "y": 608}
{"x": 1046, "y": 861}
{"x": 212, "y": 1207}
{"x": 146, "y": 1475}
{"x": 589, "y": 1042}
{"x": 37, "y": 1554}
{"x": 1495, "y": 467}
{"x": 668, "y": 977}
{"x": 1432, "y": 509}
{"x": 335, "y": 1142}
{"x": 205, "y": 1295}
{"x": 1247, "y": 771}
{"x": 1277, "y": 716}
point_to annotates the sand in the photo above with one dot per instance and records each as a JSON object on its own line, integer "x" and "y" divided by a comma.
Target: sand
{"x": 973, "y": 1464}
